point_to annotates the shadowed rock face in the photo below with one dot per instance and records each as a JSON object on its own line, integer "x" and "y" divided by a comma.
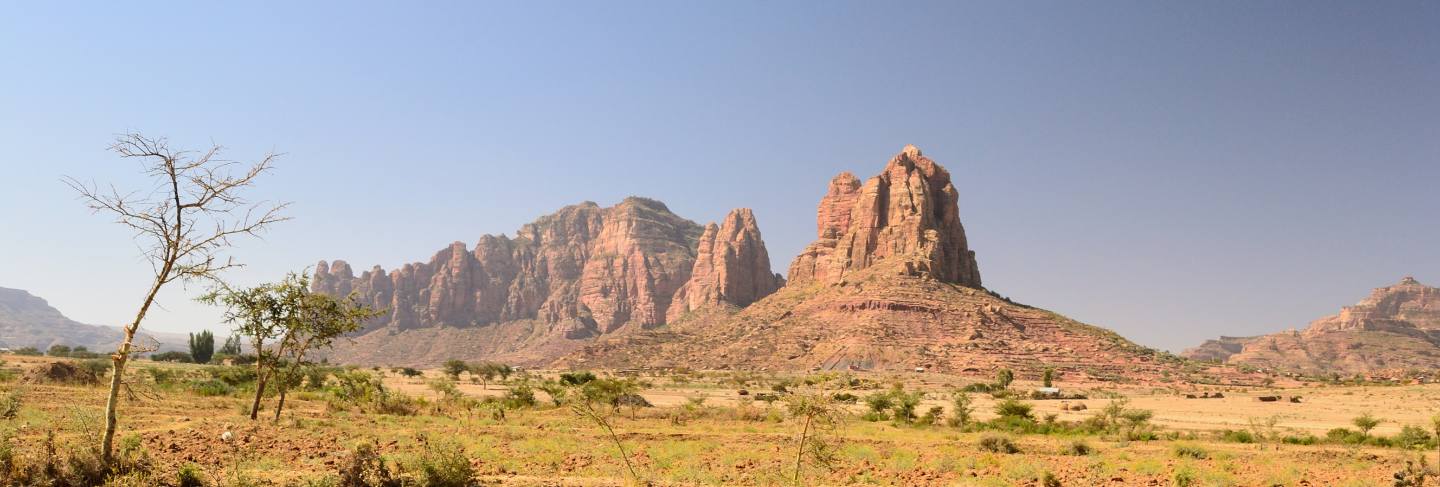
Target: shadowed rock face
{"x": 909, "y": 211}
{"x": 1396, "y": 327}
{"x": 581, "y": 272}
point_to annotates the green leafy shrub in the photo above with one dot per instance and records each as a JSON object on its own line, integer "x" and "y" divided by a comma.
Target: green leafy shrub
{"x": 1413, "y": 437}
{"x": 211, "y": 388}
{"x": 1345, "y": 436}
{"x": 98, "y": 366}
{"x": 1011, "y": 408}
{"x": 443, "y": 465}
{"x": 520, "y": 396}
{"x": 189, "y": 475}
{"x": 577, "y": 378}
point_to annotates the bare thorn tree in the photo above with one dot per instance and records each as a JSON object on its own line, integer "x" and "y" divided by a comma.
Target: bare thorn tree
{"x": 182, "y": 225}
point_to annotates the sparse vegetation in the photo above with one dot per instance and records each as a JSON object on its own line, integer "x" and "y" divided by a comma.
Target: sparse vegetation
{"x": 194, "y": 210}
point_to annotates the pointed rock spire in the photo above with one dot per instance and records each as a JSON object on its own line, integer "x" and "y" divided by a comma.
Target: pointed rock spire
{"x": 909, "y": 211}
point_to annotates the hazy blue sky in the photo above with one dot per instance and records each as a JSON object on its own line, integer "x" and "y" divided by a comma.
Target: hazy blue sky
{"x": 1171, "y": 170}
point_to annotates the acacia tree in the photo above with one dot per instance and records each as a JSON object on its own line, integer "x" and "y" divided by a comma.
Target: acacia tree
{"x": 818, "y": 416}
{"x": 263, "y": 313}
{"x": 318, "y": 321}
{"x": 183, "y": 223}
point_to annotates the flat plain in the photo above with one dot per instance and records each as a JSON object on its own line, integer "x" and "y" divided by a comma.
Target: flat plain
{"x": 699, "y": 430}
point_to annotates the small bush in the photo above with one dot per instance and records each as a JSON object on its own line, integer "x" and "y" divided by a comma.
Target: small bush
{"x": 1011, "y": 408}
{"x": 846, "y": 398}
{"x": 1183, "y": 477}
{"x": 211, "y": 388}
{"x": 10, "y": 405}
{"x": 162, "y": 376}
{"x": 97, "y": 366}
{"x": 1413, "y": 437}
{"x": 366, "y": 468}
{"x": 1238, "y": 436}
{"x": 1184, "y": 450}
{"x": 1302, "y": 439}
{"x": 1078, "y": 448}
{"x": 1345, "y": 436}
{"x": 444, "y": 465}
{"x": 998, "y": 444}
{"x": 189, "y": 475}
{"x": 576, "y": 378}
{"x": 520, "y": 396}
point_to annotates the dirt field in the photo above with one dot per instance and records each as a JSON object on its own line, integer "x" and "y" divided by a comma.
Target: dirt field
{"x": 729, "y": 440}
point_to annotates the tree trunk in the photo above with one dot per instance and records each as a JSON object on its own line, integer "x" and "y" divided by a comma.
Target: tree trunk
{"x": 259, "y": 391}
{"x": 800, "y": 455}
{"x": 280, "y": 405}
{"x": 117, "y": 371}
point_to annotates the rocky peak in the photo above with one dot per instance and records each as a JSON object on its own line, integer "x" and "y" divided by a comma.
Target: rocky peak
{"x": 731, "y": 267}
{"x": 909, "y": 211}
{"x": 833, "y": 217}
{"x": 1407, "y": 301}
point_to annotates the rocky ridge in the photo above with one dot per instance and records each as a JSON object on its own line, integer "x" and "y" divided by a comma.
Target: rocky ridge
{"x": 577, "y": 274}
{"x": 1396, "y": 327}
{"x": 27, "y": 320}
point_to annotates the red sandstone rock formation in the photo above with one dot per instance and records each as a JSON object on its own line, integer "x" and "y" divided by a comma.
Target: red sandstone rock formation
{"x": 581, "y": 272}
{"x": 731, "y": 267}
{"x": 897, "y": 246}
{"x": 909, "y": 211}
{"x": 1396, "y": 327}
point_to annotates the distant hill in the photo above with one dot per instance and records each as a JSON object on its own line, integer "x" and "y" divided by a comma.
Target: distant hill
{"x": 1395, "y": 328}
{"x": 29, "y": 321}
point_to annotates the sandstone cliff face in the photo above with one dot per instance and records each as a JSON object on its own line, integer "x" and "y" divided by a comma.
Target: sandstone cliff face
{"x": 909, "y": 211}
{"x": 731, "y": 267}
{"x": 579, "y": 273}
{"x": 1396, "y": 327}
